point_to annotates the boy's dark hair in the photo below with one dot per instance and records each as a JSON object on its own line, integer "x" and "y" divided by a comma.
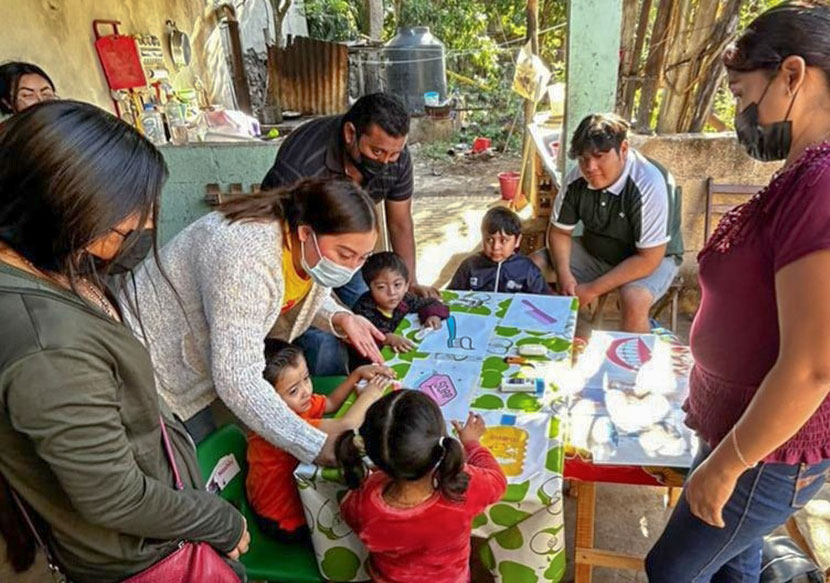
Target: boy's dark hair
{"x": 278, "y": 355}
{"x": 403, "y": 434}
{"x": 383, "y": 109}
{"x": 599, "y": 132}
{"x": 501, "y": 220}
{"x": 380, "y": 262}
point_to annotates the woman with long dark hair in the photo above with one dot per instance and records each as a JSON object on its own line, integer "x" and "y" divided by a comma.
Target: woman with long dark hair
{"x": 23, "y": 85}
{"x": 261, "y": 266}
{"x": 758, "y": 394}
{"x": 81, "y": 425}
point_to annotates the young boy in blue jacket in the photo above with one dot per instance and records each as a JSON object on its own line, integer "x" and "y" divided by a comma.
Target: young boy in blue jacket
{"x": 500, "y": 267}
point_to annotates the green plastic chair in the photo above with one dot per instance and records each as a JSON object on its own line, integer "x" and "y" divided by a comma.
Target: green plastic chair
{"x": 266, "y": 559}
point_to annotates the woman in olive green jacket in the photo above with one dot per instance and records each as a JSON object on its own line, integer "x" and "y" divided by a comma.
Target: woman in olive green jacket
{"x": 80, "y": 419}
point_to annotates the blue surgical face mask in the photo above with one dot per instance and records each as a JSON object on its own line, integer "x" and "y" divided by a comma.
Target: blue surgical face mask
{"x": 326, "y": 273}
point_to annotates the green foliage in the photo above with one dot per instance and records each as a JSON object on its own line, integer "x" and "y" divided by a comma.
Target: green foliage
{"x": 332, "y": 20}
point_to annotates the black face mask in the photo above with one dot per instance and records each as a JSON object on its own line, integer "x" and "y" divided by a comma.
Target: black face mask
{"x": 368, "y": 167}
{"x": 764, "y": 143}
{"x": 129, "y": 259}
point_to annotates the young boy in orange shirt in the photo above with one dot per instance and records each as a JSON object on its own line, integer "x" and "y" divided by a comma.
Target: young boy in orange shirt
{"x": 270, "y": 483}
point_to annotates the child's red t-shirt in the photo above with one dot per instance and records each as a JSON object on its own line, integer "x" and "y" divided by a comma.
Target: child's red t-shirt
{"x": 430, "y": 542}
{"x": 271, "y": 488}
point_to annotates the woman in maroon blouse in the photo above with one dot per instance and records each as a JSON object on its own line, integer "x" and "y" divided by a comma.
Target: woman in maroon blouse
{"x": 761, "y": 339}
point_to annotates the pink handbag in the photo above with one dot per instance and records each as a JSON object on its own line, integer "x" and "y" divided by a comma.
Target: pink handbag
{"x": 192, "y": 562}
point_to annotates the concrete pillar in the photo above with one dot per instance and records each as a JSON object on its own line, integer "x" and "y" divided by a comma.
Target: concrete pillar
{"x": 592, "y": 63}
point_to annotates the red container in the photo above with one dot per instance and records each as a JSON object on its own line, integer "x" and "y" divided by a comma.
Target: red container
{"x": 481, "y": 144}
{"x": 119, "y": 57}
{"x": 509, "y": 183}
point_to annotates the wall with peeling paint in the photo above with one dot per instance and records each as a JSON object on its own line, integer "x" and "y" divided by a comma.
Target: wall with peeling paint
{"x": 57, "y": 35}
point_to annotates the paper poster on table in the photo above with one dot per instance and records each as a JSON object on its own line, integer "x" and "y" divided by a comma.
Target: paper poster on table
{"x": 666, "y": 442}
{"x": 480, "y": 303}
{"x": 519, "y": 442}
{"x": 461, "y": 335}
{"x": 552, "y": 314}
{"x": 450, "y": 383}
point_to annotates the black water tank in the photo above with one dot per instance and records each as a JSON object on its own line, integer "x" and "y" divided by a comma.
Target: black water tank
{"x": 416, "y": 64}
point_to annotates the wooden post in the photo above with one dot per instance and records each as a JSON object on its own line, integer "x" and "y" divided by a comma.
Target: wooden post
{"x": 654, "y": 65}
{"x": 631, "y": 88}
{"x": 586, "y": 498}
{"x": 629, "y": 42}
{"x": 528, "y": 180}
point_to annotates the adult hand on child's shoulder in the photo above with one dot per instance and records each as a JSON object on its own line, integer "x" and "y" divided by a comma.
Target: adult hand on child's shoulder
{"x": 425, "y": 291}
{"x": 472, "y": 431}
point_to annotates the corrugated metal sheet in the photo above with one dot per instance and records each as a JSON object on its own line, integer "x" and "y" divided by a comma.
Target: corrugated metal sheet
{"x": 313, "y": 75}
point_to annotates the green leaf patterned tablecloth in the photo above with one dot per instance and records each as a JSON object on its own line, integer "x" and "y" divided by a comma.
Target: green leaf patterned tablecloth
{"x": 462, "y": 366}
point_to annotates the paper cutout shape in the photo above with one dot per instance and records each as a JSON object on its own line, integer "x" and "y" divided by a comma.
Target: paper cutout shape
{"x": 629, "y": 353}
{"x": 508, "y": 444}
{"x": 440, "y": 387}
{"x": 551, "y": 314}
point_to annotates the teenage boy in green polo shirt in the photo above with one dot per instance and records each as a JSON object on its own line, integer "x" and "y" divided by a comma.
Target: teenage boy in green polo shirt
{"x": 630, "y": 209}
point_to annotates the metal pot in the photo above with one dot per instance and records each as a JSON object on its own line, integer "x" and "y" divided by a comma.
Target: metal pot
{"x": 178, "y": 44}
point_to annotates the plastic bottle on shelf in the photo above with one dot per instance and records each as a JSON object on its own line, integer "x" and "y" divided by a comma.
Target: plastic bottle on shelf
{"x": 153, "y": 125}
{"x": 176, "y": 122}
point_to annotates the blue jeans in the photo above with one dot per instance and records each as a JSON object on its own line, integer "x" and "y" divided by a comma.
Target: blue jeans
{"x": 351, "y": 292}
{"x": 325, "y": 354}
{"x": 690, "y": 550}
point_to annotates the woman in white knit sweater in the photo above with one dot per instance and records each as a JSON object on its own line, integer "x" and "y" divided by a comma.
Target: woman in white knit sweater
{"x": 261, "y": 266}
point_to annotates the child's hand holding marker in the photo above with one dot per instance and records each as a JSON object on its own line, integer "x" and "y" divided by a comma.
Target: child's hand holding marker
{"x": 473, "y": 430}
{"x": 433, "y": 322}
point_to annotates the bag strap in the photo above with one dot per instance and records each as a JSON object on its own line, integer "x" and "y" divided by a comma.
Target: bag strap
{"x": 171, "y": 458}
{"x": 57, "y": 574}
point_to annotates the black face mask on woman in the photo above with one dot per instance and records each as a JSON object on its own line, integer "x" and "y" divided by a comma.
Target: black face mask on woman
{"x": 127, "y": 260}
{"x": 764, "y": 143}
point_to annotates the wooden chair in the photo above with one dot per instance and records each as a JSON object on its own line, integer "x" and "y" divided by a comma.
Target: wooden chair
{"x": 735, "y": 193}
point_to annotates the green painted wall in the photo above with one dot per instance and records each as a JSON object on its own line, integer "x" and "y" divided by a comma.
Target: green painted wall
{"x": 593, "y": 57}
{"x": 192, "y": 167}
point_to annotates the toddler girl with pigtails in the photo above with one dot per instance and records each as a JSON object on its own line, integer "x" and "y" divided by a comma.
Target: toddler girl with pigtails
{"x": 414, "y": 514}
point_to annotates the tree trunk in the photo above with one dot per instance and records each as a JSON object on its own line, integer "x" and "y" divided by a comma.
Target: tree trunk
{"x": 634, "y": 81}
{"x": 722, "y": 34}
{"x": 372, "y": 22}
{"x": 629, "y": 59}
{"x": 528, "y": 178}
{"x": 679, "y": 59}
{"x": 272, "y": 112}
{"x": 654, "y": 65}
